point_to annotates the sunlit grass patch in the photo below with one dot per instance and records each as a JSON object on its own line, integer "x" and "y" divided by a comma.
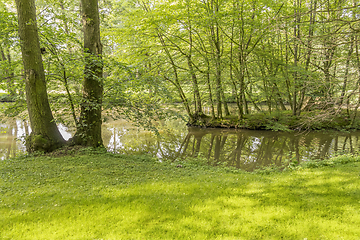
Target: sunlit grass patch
{"x": 104, "y": 196}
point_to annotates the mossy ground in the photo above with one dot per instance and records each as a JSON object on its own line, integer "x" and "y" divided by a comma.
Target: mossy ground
{"x": 94, "y": 195}
{"x": 284, "y": 121}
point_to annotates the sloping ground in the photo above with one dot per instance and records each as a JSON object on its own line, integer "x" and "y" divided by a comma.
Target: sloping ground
{"x": 105, "y": 196}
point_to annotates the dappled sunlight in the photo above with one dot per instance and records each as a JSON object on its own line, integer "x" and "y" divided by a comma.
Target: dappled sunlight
{"x": 71, "y": 197}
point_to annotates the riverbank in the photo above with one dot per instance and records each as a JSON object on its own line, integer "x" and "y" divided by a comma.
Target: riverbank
{"x": 97, "y": 195}
{"x": 285, "y": 121}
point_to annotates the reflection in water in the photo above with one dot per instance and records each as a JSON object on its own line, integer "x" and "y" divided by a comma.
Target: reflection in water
{"x": 249, "y": 150}
{"x": 245, "y": 149}
{"x": 11, "y": 135}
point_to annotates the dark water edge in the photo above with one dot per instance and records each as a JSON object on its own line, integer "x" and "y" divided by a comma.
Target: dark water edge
{"x": 240, "y": 148}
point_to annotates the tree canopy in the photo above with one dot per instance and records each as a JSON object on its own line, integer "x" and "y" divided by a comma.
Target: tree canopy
{"x": 265, "y": 56}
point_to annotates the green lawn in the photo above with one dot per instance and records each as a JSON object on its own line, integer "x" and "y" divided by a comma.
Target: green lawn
{"x": 105, "y": 196}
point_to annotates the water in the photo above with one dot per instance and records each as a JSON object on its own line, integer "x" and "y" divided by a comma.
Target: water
{"x": 245, "y": 149}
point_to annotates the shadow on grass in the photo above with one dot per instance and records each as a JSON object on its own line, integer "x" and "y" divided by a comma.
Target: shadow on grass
{"x": 93, "y": 197}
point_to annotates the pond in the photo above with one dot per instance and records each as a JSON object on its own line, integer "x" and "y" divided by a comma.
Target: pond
{"x": 244, "y": 149}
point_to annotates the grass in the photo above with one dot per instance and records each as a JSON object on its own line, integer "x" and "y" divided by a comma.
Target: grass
{"x": 106, "y": 196}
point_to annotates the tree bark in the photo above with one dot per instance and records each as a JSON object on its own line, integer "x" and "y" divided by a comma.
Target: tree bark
{"x": 45, "y": 135}
{"x": 89, "y": 127}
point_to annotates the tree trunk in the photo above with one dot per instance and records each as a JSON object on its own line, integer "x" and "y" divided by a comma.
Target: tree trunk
{"x": 309, "y": 46}
{"x": 89, "y": 128}
{"x": 210, "y": 91}
{"x": 217, "y": 56}
{"x": 176, "y": 81}
{"x": 347, "y": 66}
{"x": 296, "y": 50}
{"x": 45, "y": 135}
{"x": 197, "y": 98}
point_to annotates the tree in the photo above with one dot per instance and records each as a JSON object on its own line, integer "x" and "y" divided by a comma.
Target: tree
{"x": 89, "y": 127}
{"x": 45, "y": 135}
{"x": 8, "y": 63}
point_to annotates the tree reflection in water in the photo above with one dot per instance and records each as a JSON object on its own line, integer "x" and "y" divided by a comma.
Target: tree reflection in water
{"x": 11, "y": 135}
{"x": 249, "y": 150}
{"x": 245, "y": 149}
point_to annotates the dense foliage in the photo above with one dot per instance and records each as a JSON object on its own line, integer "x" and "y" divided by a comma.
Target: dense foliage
{"x": 262, "y": 55}
{"x": 297, "y": 55}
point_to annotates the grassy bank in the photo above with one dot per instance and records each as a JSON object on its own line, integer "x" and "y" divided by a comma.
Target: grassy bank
{"x": 105, "y": 196}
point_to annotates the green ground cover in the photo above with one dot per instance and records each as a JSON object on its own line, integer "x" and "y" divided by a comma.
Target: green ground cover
{"x": 106, "y": 196}
{"x": 285, "y": 121}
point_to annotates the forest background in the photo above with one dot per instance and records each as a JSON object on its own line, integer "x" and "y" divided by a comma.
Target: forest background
{"x": 277, "y": 58}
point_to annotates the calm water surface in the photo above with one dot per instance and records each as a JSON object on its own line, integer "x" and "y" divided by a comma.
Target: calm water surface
{"x": 245, "y": 149}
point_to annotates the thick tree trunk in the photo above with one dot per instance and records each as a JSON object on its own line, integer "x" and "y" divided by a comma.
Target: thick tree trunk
{"x": 89, "y": 127}
{"x": 45, "y": 135}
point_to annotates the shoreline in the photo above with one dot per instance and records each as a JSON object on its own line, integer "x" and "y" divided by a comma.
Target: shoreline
{"x": 282, "y": 121}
